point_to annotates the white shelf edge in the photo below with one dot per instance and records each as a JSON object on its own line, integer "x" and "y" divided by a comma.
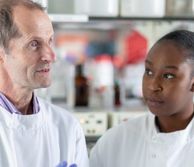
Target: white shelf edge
{"x": 57, "y": 18}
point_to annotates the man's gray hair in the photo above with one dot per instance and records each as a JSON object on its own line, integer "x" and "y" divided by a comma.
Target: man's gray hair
{"x": 8, "y": 29}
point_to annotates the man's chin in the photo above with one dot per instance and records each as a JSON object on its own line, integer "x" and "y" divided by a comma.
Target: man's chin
{"x": 44, "y": 85}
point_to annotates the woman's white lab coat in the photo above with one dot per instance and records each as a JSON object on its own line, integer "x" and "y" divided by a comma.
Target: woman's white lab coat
{"x": 137, "y": 143}
{"x": 41, "y": 140}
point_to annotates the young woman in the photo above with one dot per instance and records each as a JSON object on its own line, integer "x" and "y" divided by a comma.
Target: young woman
{"x": 165, "y": 136}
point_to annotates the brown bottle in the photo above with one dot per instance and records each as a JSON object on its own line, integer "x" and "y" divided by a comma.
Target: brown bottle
{"x": 117, "y": 100}
{"x": 81, "y": 88}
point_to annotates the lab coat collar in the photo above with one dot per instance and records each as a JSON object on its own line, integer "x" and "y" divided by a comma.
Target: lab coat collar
{"x": 181, "y": 136}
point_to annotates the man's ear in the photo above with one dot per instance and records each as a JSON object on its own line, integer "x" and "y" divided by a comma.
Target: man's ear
{"x": 2, "y": 55}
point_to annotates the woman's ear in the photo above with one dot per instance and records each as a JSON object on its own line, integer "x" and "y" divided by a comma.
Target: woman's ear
{"x": 192, "y": 88}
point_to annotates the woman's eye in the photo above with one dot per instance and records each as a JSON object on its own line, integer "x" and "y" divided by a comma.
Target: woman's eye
{"x": 148, "y": 72}
{"x": 169, "y": 76}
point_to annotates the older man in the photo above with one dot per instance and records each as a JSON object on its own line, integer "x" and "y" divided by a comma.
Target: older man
{"x": 33, "y": 133}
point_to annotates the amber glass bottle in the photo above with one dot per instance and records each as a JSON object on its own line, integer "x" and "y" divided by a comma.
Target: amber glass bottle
{"x": 81, "y": 88}
{"x": 117, "y": 100}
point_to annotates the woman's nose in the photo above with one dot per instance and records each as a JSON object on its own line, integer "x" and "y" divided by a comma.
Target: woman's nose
{"x": 155, "y": 85}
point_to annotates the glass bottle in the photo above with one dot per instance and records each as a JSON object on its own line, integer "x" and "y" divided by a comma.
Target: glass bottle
{"x": 117, "y": 101}
{"x": 81, "y": 87}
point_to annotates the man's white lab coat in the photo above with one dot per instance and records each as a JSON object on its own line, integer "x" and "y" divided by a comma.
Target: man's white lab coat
{"x": 41, "y": 140}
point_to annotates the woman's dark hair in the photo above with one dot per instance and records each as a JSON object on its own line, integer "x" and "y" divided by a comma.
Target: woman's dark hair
{"x": 183, "y": 39}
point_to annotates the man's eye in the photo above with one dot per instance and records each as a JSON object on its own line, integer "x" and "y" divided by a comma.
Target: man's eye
{"x": 51, "y": 42}
{"x": 34, "y": 44}
{"x": 169, "y": 76}
{"x": 148, "y": 72}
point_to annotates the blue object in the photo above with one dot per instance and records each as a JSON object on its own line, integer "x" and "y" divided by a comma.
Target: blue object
{"x": 64, "y": 164}
{"x": 95, "y": 48}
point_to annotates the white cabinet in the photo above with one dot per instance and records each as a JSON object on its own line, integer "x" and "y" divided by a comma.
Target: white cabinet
{"x": 143, "y": 8}
{"x": 102, "y": 8}
{"x": 61, "y": 6}
{"x": 106, "y": 8}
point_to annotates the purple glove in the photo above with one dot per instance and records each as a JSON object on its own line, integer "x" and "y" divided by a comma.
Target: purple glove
{"x": 64, "y": 164}
{"x": 73, "y": 165}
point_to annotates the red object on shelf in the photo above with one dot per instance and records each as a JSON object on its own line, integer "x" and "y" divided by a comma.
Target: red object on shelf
{"x": 103, "y": 58}
{"x": 135, "y": 47}
{"x": 118, "y": 61}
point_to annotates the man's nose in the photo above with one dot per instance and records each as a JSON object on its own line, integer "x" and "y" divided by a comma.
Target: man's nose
{"x": 48, "y": 54}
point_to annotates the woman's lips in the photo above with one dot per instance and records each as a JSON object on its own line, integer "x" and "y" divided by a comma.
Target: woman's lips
{"x": 153, "y": 102}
